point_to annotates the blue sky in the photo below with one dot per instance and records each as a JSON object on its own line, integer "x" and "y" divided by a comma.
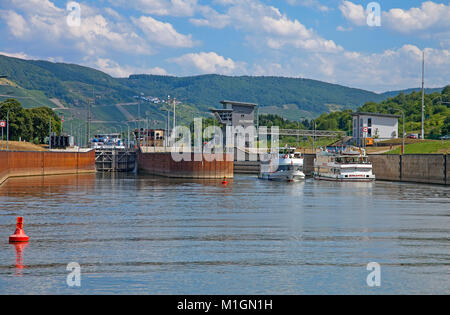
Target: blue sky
{"x": 328, "y": 40}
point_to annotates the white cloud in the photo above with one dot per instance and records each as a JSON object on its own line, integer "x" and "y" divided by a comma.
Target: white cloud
{"x": 43, "y": 23}
{"x": 16, "y": 23}
{"x": 162, "y": 33}
{"x": 354, "y": 13}
{"x": 429, "y": 15}
{"x": 310, "y": 4}
{"x": 267, "y": 25}
{"x": 209, "y": 62}
{"x": 341, "y": 28}
{"x": 391, "y": 69}
{"x": 161, "y": 7}
{"x": 20, "y": 55}
{"x": 116, "y": 70}
{"x": 285, "y": 32}
{"x": 214, "y": 19}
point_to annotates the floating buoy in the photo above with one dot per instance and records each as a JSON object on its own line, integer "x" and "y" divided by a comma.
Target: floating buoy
{"x": 19, "y": 235}
{"x": 224, "y": 182}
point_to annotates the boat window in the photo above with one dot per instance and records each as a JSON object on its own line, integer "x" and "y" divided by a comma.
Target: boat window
{"x": 285, "y": 168}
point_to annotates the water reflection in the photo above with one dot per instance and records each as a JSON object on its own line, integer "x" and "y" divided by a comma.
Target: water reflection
{"x": 20, "y": 249}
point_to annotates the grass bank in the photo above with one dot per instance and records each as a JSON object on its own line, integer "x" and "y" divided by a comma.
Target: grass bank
{"x": 425, "y": 147}
{"x": 21, "y": 146}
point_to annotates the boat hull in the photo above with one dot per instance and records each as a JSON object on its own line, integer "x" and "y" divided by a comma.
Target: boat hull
{"x": 283, "y": 176}
{"x": 349, "y": 180}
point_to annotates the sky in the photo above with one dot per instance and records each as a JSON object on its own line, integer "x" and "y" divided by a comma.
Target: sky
{"x": 336, "y": 41}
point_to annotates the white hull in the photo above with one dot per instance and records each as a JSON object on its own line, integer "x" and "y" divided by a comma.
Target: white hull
{"x": 340, "y": 179}
{"x": 283, "y": 176}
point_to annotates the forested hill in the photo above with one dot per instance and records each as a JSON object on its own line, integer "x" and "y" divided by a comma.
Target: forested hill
{"x": 273, "y": 94}
{"x": 68, "y": 88}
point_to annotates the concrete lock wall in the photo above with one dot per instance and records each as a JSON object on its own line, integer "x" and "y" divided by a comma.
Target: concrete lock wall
{"x": 308, "y": 164}
{"x": 386, "y": 167}
{"x": 4, "y": 170}
{"x": 447, "y": 167}
{"x": 423, "y": 168}
{"x": 418, "y": 168}
{"x": 21, "y": 164}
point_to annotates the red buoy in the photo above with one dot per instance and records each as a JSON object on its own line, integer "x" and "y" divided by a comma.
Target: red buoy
{"x": 224, "y": 182}
{"x": 19, "y": 235}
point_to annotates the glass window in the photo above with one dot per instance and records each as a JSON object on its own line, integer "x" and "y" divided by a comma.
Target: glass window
{"x": 369, "y": 122}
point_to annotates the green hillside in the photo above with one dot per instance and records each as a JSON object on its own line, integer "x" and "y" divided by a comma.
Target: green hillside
{"x": 437, "y": 113}
{"x": 68, "y": 89}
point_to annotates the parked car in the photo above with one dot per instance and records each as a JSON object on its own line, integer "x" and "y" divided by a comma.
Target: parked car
{"x": 447, "y": 137}
{"x": 412, "y": 136}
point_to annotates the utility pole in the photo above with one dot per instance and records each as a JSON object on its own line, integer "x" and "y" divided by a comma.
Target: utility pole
{"x": 139, "y": 119}
{"x": 314, "y": 138}
{"x": 50, "y": 133}
{"x": 403, "y": 114}
{"x": 88, "y": 125}
{"x": 128, "y": 143}
{"x": 423, "y": 94}
{"x": 147, "y": 133}
{"x": 174, "y": 113}
{"x": 7, "y": 131}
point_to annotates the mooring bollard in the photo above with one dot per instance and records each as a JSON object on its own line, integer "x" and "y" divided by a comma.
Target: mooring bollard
{"x": 19, "y": 235}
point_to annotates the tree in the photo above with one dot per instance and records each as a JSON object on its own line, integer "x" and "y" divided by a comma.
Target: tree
{"x": 29, "y": 124}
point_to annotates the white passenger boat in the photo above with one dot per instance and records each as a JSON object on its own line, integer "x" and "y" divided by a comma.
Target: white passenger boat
{"x": 285, "y": 166}
{"x": 339, "y": 164}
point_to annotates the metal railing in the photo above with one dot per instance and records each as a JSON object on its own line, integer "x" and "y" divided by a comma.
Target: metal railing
{"x": 306, "y": 133}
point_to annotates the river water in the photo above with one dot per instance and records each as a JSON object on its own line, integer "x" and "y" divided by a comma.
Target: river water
{"x": 152, "y": 235}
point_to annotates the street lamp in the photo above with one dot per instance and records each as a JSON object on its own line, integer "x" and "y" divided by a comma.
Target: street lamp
{"x": 314, "y": 137}
{"x": 298, "y": 130}
{"x": 7, "y": 131}
{"x": 404, "y": 133}
{"x": 166, "y": 142}
{"x": 403, "y": 118}
{"x": 7, "y": 124}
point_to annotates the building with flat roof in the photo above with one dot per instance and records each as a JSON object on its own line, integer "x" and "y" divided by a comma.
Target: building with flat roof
{"x": 379, "y": 126}
{"x": 236, "y": 114}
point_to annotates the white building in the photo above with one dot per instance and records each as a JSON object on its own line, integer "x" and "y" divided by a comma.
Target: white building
{"x": 379, "y": 126}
